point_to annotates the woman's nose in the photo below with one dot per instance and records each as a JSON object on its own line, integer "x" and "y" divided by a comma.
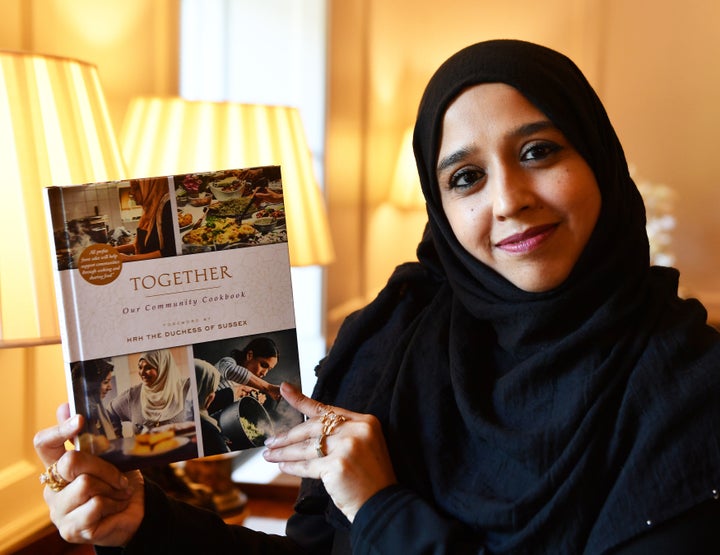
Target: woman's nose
{"x": 512, "y": 193}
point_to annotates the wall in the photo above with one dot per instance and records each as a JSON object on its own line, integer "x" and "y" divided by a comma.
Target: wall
{"x": 651, "y": 63}
{"x": 661, "y": 82}
{"x": 134, "y": 45}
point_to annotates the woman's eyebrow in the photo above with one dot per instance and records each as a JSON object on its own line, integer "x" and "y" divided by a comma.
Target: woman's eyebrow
{"x": 524, "y": 130}
{"x": 452, "y": 159}
{"x": 530, "y": 128}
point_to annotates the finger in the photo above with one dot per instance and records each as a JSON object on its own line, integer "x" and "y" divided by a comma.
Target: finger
{"x": 291, "y": 451}
{"x": 301, "y": 469}
{"x": 85, "y": 523}
{"x": 75, "y": 464}
{"x": 82, "y": 491}
{"x": 88, "y": 512}
{"x": 297, "y": 434}
{"x": 63, "y": 413}
{"x": 50, "y": 442}
{"x": 309, "y": 407}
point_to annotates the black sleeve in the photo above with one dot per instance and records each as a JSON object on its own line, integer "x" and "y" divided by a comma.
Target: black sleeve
{"x": 396, "y": 520}
{"x": 692, "y": 533}
{"x": 171, "y": 526}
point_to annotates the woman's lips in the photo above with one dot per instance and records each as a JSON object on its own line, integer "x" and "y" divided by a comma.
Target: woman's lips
{"x": 527, "y": 240}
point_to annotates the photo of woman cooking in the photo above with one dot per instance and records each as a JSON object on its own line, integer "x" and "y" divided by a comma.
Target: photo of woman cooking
{"x": 246, "y": 403}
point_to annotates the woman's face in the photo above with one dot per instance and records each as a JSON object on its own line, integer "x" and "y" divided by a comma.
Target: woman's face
{"x": 136, "y": 193}
{"x": 106, "y": 386}
{"x": 518, "y": 196}
{"x": 148, "y": 374}
{"x": 259, "y": 366}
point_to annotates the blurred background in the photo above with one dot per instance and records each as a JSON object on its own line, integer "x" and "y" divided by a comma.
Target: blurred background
{"x": 355, "y": 69}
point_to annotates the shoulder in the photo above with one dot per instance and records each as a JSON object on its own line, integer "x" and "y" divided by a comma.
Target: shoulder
{"x": 127, "y": 395}
{"x": 408, "y": 291}
{"x": 224, "y": 362}
{"x": 132, "y": 394}
{"x": 370, "y": 334}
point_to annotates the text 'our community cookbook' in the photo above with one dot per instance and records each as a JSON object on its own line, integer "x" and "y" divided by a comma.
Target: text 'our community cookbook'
{"x": 176, "y": 313}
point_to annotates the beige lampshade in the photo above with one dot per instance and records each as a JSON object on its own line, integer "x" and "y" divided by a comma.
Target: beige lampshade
{"x": 54, "y": 130}
{"x": 405, "y": 192}
{"x": 171, "y": 135}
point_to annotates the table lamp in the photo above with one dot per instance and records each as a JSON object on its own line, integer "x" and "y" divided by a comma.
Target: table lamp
{"x": 54, "y": 130}
{"x": 405, "y": 192}
{"x": 171, "y": 135}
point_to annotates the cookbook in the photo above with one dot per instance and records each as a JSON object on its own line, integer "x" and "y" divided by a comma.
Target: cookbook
{"x": 176, "y": 313}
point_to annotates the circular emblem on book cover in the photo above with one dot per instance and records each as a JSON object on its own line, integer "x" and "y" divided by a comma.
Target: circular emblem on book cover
{"x": 99, "y": 264}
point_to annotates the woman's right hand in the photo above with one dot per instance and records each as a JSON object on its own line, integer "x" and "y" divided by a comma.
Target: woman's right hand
{"x": 100, "y": 505}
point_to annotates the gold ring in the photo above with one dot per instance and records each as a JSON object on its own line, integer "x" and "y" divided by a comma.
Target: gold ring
{"x": 319, "y": 447}
{"x": 51, "y": 478}
{"x": 330, "y": 421}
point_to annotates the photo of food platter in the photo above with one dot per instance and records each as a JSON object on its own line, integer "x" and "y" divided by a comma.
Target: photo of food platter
{"x": 243, "y": 208}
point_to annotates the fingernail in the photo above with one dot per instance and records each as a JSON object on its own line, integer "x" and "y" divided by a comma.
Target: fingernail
{"x": 124, "y": 482}
{"x": 269, "y": 441}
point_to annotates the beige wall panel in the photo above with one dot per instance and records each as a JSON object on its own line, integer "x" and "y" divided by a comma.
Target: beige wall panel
{"x": 34, "y": 385}
{"x": 134, "y": 43}
{"x": 344, "y": 160}
{"x": 14, "y": 29}
{"x": 661, "y": 88}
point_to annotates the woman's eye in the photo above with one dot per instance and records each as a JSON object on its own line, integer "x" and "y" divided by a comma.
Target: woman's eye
{"x": 539, "y": 151}
{"x": 466, "y": 178}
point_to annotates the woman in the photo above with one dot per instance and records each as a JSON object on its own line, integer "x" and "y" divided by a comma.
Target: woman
{"x": 243, "y": 372}
{"x": 207, "y": 379}
{"x": 530, "y": 386}
{"x": 155, "y": 234}
{"x": 160, "y": 398}
{"x": 92, "y": 381}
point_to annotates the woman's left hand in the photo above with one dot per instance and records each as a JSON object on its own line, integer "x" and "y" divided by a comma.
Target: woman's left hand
{"x": 344, "y": 449}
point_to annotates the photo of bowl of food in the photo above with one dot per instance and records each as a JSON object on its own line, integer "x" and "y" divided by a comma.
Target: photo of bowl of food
{"x": 276, "y": 211}
{"x": 185, "y": 220}
{"x": 228, "y": 188}
{"x": 264, "y": 225}
{"x": 202, "y": 199}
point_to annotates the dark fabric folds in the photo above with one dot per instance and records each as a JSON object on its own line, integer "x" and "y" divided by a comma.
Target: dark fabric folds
{"x": 560, "y": 422}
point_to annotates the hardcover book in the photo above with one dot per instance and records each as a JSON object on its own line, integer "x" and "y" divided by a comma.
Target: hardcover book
{"x": 176, "y": 313}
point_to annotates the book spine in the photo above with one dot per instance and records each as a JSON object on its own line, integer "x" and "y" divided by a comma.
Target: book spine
{"x": 63, "y": 295}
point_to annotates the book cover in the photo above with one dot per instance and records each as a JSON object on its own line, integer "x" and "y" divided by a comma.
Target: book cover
{"x": 176, "y": 313}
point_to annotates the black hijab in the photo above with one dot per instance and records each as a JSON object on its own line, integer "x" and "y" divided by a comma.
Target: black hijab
{"x": 555, "y": 422}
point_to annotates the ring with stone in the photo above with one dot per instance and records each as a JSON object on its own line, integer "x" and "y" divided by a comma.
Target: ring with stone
{"x": 51, "y": 478}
